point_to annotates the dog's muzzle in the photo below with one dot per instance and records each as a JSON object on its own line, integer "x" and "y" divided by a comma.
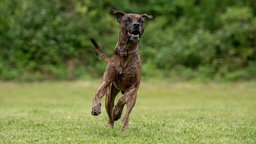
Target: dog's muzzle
{"x": 135, "y": 33}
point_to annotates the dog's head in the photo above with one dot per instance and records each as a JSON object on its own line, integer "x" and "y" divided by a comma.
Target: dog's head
{"x": 131, "y": 24}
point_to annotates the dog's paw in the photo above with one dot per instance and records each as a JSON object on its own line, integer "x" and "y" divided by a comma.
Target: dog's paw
{"x": 96, "y": 110}
{"x": 117, "y": 114}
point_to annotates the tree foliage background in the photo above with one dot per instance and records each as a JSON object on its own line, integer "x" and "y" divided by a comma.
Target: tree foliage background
{"x": 187, "y": 39}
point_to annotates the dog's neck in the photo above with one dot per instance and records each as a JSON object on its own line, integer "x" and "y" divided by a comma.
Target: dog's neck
{"x": 125, "y": 47}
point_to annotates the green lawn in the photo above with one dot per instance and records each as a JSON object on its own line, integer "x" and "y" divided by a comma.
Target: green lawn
{"x": 166, "y": 112}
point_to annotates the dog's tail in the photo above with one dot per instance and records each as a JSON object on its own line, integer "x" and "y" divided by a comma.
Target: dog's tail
{"x": 99, "y": 51}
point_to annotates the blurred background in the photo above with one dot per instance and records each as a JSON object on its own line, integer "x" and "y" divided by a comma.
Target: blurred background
{"x": 187, "y": 39}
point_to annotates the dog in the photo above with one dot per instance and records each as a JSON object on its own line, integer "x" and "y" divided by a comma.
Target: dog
{"x": 123, "y": 69}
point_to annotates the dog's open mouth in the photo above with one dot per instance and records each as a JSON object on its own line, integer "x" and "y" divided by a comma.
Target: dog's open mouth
{"x": 134, "y": 34}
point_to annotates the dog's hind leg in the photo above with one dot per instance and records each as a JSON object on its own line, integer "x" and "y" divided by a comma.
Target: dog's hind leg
{"x": 118, "y": 109}
{"x": 111, "y": 93}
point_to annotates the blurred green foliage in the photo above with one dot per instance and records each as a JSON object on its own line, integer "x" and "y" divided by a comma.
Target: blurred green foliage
{"x": 195, "y": 39}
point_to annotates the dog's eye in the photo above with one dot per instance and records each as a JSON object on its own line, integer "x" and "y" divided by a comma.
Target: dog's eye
{"x": 140, "y": 20}
{"x": 127, "y": 20}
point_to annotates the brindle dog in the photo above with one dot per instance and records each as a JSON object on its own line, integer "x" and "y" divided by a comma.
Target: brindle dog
{"x": 123, "y": 70}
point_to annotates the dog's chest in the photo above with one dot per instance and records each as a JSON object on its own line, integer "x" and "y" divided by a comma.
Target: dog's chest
{"x": 128, "y": 75}
{"x": 132, "y": 67}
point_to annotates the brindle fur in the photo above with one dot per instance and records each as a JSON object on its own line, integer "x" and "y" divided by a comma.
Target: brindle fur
{"x": 122, "y": 73}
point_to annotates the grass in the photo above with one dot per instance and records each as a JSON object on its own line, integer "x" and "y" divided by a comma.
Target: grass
{"x": 166, "y": 112}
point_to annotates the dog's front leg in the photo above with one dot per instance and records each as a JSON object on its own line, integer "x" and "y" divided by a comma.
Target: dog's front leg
{"x": 96, "y": 107}
{"x": 107, "y": 79}
{"x": 129, "y": 99}
{"x": 129, "y": 106}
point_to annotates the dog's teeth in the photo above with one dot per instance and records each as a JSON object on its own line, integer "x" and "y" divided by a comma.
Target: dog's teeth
{"x": 137, "y": 35}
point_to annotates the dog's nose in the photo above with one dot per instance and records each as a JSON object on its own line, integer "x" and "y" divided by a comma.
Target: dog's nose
{"x": 136, "y": 25}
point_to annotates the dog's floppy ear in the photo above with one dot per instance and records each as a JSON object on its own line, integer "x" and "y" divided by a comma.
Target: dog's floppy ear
{"x": 147, "y": 16}
{"x": 118, "y": 14}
